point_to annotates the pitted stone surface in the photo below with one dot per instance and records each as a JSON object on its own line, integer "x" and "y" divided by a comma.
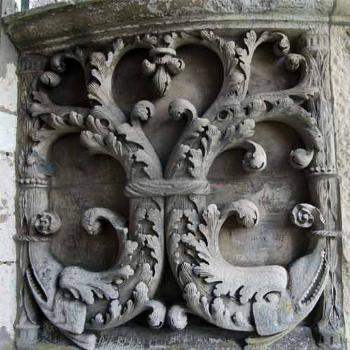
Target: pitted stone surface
{"x": 7, "y": 207}
{"x": 340, "y": 73}
{"x": 8, "y": 298}
{"x": 8, "y": 125}
{"x": 8, "y": 87}
{"x": 341, "y": 89}
{"x": 8, "y": 132}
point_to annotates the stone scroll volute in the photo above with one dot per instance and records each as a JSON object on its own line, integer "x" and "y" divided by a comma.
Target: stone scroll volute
{"x": 171, "y": 215}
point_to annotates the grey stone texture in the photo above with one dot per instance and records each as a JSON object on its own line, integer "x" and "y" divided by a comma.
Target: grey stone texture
{"x": 340, "y": 56}
{"x": 8, "y": 127}
{"x": 263, "y": 194}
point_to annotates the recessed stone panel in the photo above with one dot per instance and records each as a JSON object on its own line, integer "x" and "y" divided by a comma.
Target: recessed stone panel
{"x": 180, "y": 178}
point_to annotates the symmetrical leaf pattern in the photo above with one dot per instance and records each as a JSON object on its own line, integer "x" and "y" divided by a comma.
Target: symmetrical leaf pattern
{"x": 267, "y": 300}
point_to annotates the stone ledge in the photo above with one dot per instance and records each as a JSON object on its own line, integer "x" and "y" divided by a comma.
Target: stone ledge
{"x": 131, "y": 337}
{"x": 90, "y": 20}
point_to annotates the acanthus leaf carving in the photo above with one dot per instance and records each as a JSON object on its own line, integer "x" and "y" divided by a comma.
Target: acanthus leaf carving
{"x": 269, "y": 300}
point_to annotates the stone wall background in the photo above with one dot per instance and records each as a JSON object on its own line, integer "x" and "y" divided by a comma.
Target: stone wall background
{"x": 340, "y": 75}
{"x": 8, "y": 122}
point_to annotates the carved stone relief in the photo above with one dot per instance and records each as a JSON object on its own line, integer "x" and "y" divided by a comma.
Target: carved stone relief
{"x": 174, "y": 213}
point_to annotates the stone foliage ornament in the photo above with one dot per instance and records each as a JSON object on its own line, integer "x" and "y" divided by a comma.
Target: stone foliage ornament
{"x": 170, "y": 205}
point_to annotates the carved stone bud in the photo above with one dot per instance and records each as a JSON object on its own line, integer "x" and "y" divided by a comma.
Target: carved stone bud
{"x": 148, "y": 68}
{"x": 157, "y": 317}
{"x": 143, "y": 110}
{"x": 90, "y": 222}
{"x": 162, "y": 65}
{"x": 301, "y": 158}
{"x": 47, "y": 223}
{"x": 177, "y": 317}
{"x": 247, "y": 213}
{"x": 175, "y": 65}
{"x": 180, "y": 107}
{"x": 292, "y": 61}
{"x": 98, "y": 319}
{"x": 93, "y": 228}
{"x": 282, "y": 46}
{"x": 306, "y": 215}
{"x": 161, "y": 81}
{"x": 255, "y": 158}
{"x": 50, "y": 79}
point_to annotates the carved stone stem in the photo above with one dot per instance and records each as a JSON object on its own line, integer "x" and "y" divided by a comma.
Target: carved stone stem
{"x": 33, "y": 198}
{"x": 324, "y": 187}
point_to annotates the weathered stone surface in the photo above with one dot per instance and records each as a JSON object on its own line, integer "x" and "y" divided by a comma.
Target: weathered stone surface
{"x": 8, "y": 301}
{"x": 9, "y": 7}
{"x": 8, "y": 84}
{"x": 138, "y": 14}
{"x": 273, "y": 190}
{"x": 8, "y": 126}
{"x": 197, "y": 338}
{"x": 269, "y": 197}
{"x": 7, "y": 207}
{"x": 8, "y": 77}
{"x": 255, "y": 6}
{"x": 136, "y": 337}
{"x": 98, "y": 285}
{"x": 8, "y": 132}
{"x": 340, "y": 49}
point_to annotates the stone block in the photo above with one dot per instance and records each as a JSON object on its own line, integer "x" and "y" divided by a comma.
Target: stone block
{"x": 8, "y": 86}
{"x": 7, "y": 207}
{"x": 8, "y": 128}
{"x": 7, "y": 300}
{"x": 340, "y": 58}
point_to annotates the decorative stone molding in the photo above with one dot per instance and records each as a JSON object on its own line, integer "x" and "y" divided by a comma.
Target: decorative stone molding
{"x": 138, "y": 16}
{"x": 172, "y": 214}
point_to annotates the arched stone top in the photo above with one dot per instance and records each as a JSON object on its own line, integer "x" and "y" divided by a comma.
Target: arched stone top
{"x": 97, "y": 20}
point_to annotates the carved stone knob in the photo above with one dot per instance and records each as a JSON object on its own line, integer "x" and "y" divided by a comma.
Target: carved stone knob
{"x": 177, "y": 318}
{"x": 143, "y": 110}
{"x": 255, "y": 158}
{"x": 50, "y": 79}
{"x": 306, "y": 215}
{"x": 148, "y": 67}
{"x": 47, "y": 223}
{"x": 293, "y": 62}
{"x": 180, "y": 107}
{"x": 301, "y": 158}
